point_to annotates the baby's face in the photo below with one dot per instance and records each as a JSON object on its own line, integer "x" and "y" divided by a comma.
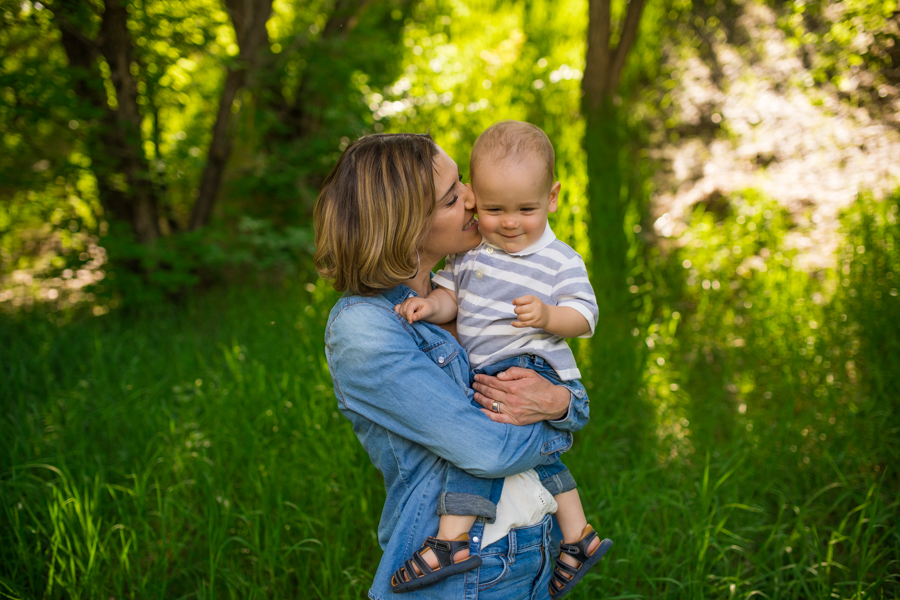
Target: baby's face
{"x": 512, "y": 202}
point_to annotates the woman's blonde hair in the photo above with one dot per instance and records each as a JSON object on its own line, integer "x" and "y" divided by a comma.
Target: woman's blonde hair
{"x": 372, "y": 211}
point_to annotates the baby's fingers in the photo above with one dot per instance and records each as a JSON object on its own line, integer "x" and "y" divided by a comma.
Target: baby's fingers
{"x": 523, "y": 300}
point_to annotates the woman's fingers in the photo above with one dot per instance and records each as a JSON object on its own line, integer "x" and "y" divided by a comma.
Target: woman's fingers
{"x": 486, "y": 395}
{"x": 498, "y": 417}
{"x": 513, "y": 373}
{"x": 525, "y": 396}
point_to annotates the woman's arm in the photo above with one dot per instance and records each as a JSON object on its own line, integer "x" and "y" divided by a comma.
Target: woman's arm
{"x": 380, "y": 373}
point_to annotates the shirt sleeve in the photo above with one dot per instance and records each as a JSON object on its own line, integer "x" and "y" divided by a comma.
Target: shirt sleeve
{"x": 380, "y": 373}
{"x": 446, "y": 277}
{"x": 572, "y": 288}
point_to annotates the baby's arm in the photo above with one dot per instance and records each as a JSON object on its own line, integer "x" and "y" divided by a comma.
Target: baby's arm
{"x": 563, "y": 321}
{"x": 438, "y": 308}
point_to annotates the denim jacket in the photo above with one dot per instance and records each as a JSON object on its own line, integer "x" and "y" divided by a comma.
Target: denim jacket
{"x": 404, "y": 389}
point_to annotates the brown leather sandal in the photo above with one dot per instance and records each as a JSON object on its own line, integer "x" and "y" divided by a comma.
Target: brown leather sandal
{"x": 565, "y": 576}
{"x": 415, "y": 574}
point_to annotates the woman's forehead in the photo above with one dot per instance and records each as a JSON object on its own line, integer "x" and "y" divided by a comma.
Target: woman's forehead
{"x": 444, "y": 166}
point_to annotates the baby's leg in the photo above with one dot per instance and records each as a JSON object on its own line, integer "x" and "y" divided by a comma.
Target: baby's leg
{"x": 452, "y": 527}
{"x": 464, "y": 498}
{"x": 572, "y": 522}
{"x": 570, "y": 514}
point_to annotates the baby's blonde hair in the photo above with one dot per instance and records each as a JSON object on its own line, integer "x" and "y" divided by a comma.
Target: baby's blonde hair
{"x": 509, "y": 142}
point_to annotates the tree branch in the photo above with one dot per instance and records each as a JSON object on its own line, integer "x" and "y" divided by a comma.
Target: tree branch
{"x": 597, "y": 59}
{"x": 249, "y": 18}
{"x": 626, "y": 41}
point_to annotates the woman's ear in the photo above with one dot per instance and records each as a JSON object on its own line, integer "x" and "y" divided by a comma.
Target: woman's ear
{"x": 554, "y": 196}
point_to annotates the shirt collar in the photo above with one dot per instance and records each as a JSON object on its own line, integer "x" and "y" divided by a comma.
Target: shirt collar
{"x": 545, "y": 240}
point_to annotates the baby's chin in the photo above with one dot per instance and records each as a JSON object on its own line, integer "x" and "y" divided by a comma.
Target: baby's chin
{"x": 506, "y": 244}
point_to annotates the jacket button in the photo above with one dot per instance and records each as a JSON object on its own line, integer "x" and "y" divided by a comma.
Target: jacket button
{"x": 479, "y": 274}
{"x": 475, "y": 539}
{"x": 441, "y": 359}
{"x": 490, "y": 250}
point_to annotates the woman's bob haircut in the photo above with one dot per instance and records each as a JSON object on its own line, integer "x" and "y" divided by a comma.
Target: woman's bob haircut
{"x": 372, "y": 211}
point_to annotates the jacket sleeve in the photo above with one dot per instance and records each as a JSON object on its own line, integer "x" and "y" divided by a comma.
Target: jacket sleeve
{"x": 380, "y": 373}
{"x": 579, "y": 412}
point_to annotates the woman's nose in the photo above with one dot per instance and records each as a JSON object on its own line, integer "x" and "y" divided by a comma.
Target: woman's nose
{"x": 468, "y": 197}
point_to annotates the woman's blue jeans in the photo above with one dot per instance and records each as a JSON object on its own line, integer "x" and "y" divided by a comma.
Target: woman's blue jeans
{"x": 510, "y": 564}
{"x": 465, "y": 494}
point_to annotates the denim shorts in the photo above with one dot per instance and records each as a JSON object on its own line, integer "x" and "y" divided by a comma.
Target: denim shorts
{"x": 518, "y": 566}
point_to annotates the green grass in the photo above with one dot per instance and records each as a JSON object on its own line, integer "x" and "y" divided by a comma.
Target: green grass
{"x": 197, "y": 451}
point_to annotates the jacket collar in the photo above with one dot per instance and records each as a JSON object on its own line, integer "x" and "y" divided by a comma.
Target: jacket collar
{"x": 398, "y": 294}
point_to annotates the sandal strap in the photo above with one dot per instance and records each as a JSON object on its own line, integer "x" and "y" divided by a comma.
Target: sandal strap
{"x": 420, "y": 562}
{"x": 579, "y": 550}
{"x": 557, "y": 581}
{"x": 417, "y": 567}
{"x": 445, "y": 550}
{"x": 567, "y": 569}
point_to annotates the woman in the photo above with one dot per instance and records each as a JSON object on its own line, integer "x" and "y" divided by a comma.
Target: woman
{"x": 390, "y": 210}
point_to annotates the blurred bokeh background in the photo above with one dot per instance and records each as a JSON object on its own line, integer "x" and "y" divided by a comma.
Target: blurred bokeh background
{"x": 730, "y": 171}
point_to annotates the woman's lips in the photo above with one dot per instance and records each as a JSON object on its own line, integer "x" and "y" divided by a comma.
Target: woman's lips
{"x": 472, "y": 222}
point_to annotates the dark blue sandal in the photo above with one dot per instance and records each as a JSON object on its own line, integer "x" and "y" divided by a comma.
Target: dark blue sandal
{"x": 564, "y": 576}
{"x": 415, "y": 574}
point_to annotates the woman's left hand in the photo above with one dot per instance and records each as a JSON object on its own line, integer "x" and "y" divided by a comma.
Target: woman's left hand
{"x": 523, "y": 397}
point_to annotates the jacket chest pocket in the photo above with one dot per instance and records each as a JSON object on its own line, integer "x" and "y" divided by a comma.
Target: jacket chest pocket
{"x": 446, "y": 356}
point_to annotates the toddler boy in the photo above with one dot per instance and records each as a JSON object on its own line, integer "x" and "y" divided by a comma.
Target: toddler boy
{"x": 515, "y": 297}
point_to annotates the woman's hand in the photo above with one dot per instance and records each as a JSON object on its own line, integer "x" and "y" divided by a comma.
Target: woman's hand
{"x": 524, "y": 397}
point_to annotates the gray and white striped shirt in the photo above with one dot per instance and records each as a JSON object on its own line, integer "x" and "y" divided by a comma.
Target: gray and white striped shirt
{"x": 486, "y": 280}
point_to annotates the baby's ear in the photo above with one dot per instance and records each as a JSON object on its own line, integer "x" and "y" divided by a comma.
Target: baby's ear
{"x": 554, "y": 196}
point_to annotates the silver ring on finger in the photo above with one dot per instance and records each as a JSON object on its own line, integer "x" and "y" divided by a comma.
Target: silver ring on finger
{"x": 495, "y": 407}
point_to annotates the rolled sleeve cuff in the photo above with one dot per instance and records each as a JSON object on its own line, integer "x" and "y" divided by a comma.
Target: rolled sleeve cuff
{"x": 454, "y": 503}
{"x": 559, "y": 483}
{"x": 579, "y": 412}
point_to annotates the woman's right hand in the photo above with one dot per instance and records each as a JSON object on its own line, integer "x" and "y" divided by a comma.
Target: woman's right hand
{"x": 523, "y": 397}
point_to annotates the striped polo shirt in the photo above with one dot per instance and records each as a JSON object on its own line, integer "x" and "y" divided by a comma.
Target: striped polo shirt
{"x": 487, "y": 279}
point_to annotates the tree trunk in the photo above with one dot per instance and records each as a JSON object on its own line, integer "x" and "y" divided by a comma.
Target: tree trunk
{"x": 114, "y": 145}
{"x": 115, "y": 44}
{"x": 249, "y": 18}
{"x": 614, "y": 348}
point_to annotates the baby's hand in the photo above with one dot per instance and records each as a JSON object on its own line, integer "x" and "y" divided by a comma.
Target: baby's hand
{"x": 531, "y": 312}
{"x": 415, "y": 309}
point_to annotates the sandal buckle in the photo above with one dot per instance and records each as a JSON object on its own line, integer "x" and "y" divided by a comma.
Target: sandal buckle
{"x": 441, "y": 545}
